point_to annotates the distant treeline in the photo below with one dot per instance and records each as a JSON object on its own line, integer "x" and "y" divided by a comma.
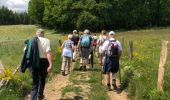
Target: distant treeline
{"x": 8, "y": 17}
{"x": 100, "y": 14}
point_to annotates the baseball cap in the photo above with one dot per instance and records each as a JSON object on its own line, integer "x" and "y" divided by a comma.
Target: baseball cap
{"x": 75, "y": 31}
{"x": 111, "y": 33}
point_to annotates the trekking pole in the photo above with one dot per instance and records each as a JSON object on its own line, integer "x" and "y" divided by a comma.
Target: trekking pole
{"x": 101, "y": 74}
{"x": 120, "y": 75}
{"x": 92, "y": 59}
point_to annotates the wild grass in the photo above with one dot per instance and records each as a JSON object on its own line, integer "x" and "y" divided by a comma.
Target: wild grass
{"x": 12, "y": 39}
{"x": 140, "y": 74}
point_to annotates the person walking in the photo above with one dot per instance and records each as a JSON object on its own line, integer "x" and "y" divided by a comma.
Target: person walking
{"x": 85, "y": 44}
{"x": 102, "y": 38}
{"x": 112, "y": 51}
{"x": 67, "y": 54}
{"x": 75, "y": 39}
{"x": 39, "y": 59}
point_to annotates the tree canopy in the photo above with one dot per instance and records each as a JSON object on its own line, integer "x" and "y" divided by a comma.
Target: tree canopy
{"x": 8, "y": 17}
{"x": 100, "y": 14}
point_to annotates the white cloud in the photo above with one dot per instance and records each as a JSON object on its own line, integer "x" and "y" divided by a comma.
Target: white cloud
{"x": 15, "y": 5}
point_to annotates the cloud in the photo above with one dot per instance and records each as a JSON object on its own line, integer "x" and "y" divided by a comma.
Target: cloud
{"x": 15, "y": 5}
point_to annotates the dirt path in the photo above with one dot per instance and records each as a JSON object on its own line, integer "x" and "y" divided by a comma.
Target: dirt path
{"x": 116, "y": 95}
{"x": 53, "y": 88}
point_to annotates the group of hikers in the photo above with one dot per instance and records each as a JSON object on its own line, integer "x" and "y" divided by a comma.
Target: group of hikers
{"x": 81, "y": 45}
{"x": 108, "y": 49}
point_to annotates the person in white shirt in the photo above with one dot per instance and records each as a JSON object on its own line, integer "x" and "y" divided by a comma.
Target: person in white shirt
{"x": 45, "y": 66}
{"x": 67, "y": 54}
{"x": 112, "y": 51}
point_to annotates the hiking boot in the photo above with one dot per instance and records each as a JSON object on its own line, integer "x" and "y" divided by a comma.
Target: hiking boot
{"x": 114, "y": 84}
{"x": 81, "y": 68}
{"x": 84, "y": 68}
{"x": 63, "y": 73}
{"x": 109, "y": 87}
{"x": 73, "y": 60}
{"x": 41, "y": 97}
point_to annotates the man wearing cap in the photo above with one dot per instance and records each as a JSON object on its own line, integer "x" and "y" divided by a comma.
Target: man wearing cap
{"x": 43, "y": 67}
{"x": 75, "y": 39}
{"x": 112, "y": 51}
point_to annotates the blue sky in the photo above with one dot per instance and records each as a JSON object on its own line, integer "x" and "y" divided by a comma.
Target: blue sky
{"x": 15, "y": 5}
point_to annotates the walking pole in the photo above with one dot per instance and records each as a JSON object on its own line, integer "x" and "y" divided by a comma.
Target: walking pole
{"x": 120, "y": 75}
{"x": 92, "y": 59}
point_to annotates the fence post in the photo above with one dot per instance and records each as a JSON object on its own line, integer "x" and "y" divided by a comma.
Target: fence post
{"x": 130, "y": 50}
{"x": 60, "y": 42}
{"x": 123, "y": 42}
{"x": 163, "y": 58}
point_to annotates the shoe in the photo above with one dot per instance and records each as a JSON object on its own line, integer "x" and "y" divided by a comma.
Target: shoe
{"x": 63, "y": 73}
{"x": 41, "y": 97}
{"x": 84, "y": 68}
{"x": 114, "y": 86}
{"x": 81, "y": 67}
{"x": 109, "y": 87}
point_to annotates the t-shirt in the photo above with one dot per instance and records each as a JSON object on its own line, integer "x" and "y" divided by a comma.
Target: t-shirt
{"x": 67, "y": 50}
{"x": 106, "y": 44}
{"x": 75, "y": 40}
{"x": 43, "y": 46}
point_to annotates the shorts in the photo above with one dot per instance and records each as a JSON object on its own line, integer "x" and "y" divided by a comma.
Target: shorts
{"x": 111, "y": 64}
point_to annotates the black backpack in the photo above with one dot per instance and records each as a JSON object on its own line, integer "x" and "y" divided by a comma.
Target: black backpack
{"x": 112, "y": 50}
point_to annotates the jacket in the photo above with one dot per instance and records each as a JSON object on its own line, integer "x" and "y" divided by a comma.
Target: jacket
{"x": 31, "y": 55}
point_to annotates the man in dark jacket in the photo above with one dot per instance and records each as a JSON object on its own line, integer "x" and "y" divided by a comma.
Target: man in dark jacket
{"x": 39, "y": 73}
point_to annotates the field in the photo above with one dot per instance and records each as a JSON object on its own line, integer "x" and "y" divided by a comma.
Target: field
{"x": 139, "y": 75}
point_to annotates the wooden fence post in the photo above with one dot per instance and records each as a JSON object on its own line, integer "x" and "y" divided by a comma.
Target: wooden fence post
{"x": 123, "y": 41}
{"x": 60, "y": 42}
{"x": 163, "y": 58}
{"x": 130, "y": 50}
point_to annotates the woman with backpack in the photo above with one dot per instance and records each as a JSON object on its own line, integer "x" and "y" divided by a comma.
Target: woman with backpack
{"x": 67, "y": 54}
{"x": 112, "y": 51}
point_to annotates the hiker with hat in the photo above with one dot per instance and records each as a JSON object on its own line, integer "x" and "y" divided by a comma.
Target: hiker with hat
{"x": 67, "y": 54}
{"x": 85, "y": 44}
{"x": 75, "y": 38}
{"x": 112, "y": 51}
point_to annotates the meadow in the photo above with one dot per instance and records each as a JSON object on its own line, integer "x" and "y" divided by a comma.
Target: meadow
{"x": 139, "y": 75}
{"x": 12, "y": 39}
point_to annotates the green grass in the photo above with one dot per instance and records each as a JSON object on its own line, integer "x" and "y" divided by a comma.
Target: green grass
{"x": 97, "y": 90}
{"x": 140, "y": 74}
{"x": 12, "y": 39}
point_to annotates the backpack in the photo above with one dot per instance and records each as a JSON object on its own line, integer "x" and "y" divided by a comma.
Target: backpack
{"x": 112, "y": 50}
{"x": 85, "y": 41}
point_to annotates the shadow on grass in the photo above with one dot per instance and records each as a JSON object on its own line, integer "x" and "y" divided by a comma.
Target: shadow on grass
{"x": 75, "y": 98}
{"x": 91, "y": 69}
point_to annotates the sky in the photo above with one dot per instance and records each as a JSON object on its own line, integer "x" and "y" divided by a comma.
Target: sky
{"x": 15, "y": 5}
